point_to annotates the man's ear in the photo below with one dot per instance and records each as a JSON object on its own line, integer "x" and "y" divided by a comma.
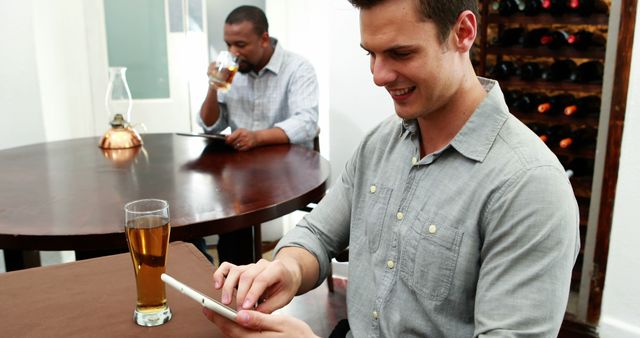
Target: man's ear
{"x": 265, "y": 40}
{"x": 464, "y": 31}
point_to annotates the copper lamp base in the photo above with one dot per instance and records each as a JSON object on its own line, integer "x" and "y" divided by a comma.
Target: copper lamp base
{"x": 120, "y": 138}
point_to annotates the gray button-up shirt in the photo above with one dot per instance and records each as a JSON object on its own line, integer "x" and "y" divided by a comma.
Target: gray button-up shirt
{"x": 283, "y": 94}
{"x": 476, "y": 240}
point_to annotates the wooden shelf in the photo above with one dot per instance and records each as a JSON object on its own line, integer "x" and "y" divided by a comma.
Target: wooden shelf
{"x": 584, "y": 152}
{"x": 581, "y": 187}
{"x": 594, "y": 88}
{"x": 563, "y": 53}
{"x": 556, "y": 119}
{"x": 547, "y": 19}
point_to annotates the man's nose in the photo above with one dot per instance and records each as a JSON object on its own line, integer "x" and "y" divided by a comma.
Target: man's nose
{"x": 234, "y": 50}
{"x": 382, "y": 71}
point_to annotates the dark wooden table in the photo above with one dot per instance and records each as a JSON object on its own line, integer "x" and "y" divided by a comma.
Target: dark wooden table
{"x": 69, "y": 195}
{"x": 96, "y": 298}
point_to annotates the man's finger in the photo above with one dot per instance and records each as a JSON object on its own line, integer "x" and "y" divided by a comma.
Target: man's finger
{"x": 221, "y": 273}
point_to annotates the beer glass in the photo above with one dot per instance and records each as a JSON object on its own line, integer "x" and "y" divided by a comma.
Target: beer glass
{"x": 222, "y": 70}
{"x": 147, "y": 230}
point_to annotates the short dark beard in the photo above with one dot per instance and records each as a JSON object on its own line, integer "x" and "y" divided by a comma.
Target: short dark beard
{"x": 245, "y": 67}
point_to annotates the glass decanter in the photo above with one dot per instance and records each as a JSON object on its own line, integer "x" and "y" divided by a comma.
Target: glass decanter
{"x": 118, "y": 103}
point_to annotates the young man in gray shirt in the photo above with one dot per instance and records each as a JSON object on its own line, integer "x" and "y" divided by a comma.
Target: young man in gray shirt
{"x": 459, "y": 221}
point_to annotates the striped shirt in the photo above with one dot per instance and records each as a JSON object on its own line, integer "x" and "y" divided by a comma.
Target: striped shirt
{"x": 282, "y": 94}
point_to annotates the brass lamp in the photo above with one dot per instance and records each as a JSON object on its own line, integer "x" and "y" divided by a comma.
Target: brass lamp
{"x": 118, "y": 103}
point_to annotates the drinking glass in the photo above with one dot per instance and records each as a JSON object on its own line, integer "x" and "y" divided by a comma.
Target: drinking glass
{"x": 222, "y": 70}
{"x": 147, "y": 230}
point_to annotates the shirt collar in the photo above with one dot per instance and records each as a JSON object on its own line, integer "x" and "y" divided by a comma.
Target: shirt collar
{"x": 477, "y": 135}
{"x": 275, "y": 62}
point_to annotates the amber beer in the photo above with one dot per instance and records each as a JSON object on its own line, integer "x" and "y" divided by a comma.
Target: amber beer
{"x": 222, "y": 71}
{"x": 222, "y": 77}
{"x": 147, "y": 230}
{"x": 148, "y": 244}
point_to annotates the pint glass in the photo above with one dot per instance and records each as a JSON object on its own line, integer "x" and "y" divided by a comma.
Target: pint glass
{"x": 147, "y": 229}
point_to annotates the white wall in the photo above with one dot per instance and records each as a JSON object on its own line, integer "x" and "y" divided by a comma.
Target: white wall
{"x": 63, "y": 69}
{"x": 44, "y": 92}
{"x": 20, "y": 106}
{"x": 357, "y": 104}
{"x": 620, "y": 315}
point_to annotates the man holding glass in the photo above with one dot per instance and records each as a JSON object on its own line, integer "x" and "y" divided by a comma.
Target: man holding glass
{"x": 273, "y": 100}
{"x": 460, "y": 222}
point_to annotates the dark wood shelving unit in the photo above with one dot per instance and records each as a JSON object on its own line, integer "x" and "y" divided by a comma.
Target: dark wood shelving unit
{"x": 491, "y": 24}
{"x": 587, "y": 88}
{"x": 547, "y": 19}
{"x": 562, "y": 53}
{"x": 557, "y": 119}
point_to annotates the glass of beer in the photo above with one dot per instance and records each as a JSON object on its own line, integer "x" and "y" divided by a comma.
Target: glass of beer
{"x": 222, "y": 70}
{"x": 147, "y": 229}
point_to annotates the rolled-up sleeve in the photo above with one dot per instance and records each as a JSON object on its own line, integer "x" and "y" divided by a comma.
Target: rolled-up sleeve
{"x": 221, "y": 124}
{"x": 303, "y": 101}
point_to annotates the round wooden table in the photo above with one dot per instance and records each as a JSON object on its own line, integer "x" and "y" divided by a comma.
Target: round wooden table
{"x": 69, "y": 195}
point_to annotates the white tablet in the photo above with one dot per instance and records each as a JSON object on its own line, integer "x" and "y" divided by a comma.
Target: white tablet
{"x": 200, "y": 298}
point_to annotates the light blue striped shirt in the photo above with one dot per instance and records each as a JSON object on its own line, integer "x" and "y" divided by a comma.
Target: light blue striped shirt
{"x": 283, "y": 94}
{"x": 476, "y": 240}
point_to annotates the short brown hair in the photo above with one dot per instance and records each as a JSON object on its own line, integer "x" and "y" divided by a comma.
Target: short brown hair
{"x": 443, "y": 13}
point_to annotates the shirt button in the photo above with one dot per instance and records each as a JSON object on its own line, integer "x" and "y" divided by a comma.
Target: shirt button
{"x": 399, "y": 216}
{"x": 390, "y": 264}
{"x": 373, "y": 189}
{"x": 414, "y": 160}
{"x": 433, "y": 229}
{"x": 375, "y": 314}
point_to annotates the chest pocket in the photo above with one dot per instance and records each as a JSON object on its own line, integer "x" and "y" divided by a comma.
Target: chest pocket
{"x": 376, "y": 205}
{"x": 430, "y": 256}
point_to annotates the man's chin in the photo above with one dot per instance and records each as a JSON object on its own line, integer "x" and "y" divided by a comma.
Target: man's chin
{"x": 244, "y": 67}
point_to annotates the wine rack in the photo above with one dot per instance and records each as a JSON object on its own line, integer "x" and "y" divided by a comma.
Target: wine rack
{"x": 488, "y": 52}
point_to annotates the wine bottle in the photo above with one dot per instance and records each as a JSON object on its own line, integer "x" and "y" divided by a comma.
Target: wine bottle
{"x": 556, "y": 104}
{"x": 555, "y": 7}
{"x": 560, "y": 70}
{"x": 503, "y": 70}
{"x": 584, "y": 106}
{"x": 531, "y": 7}
{"x": 540, "y": 130}
{"x": 555, "y": 39}
{"x": 583, "y": 40}
{"x": 509, "y": 37}
{"x": 579, "y": 167}
{"x": 510, "y": 96}
{"x": 588, "y": 7}
{"x": 505, "y": 7}
{"x": 530, "y": 71}
{"x": 584, "y": 137}
{"x": 531, "y": 39}
{"x": 590, "y": 71}
{"x": 556, "y": 133}
{"x": 528, "y": 102}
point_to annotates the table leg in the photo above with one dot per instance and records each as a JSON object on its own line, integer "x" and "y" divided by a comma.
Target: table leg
{"x": 257, "y": 243}
{"x": 21, "y": 259}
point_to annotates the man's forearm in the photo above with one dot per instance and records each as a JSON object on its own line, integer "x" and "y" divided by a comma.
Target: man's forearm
{"x": 302, "y": 264}
{"x": 210, "y": 111}
{"x": 271, "y": 136}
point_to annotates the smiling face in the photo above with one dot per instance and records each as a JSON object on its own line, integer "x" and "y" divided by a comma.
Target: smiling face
{"x": 253, "y": 50}
{"x": 407, "y": 58}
